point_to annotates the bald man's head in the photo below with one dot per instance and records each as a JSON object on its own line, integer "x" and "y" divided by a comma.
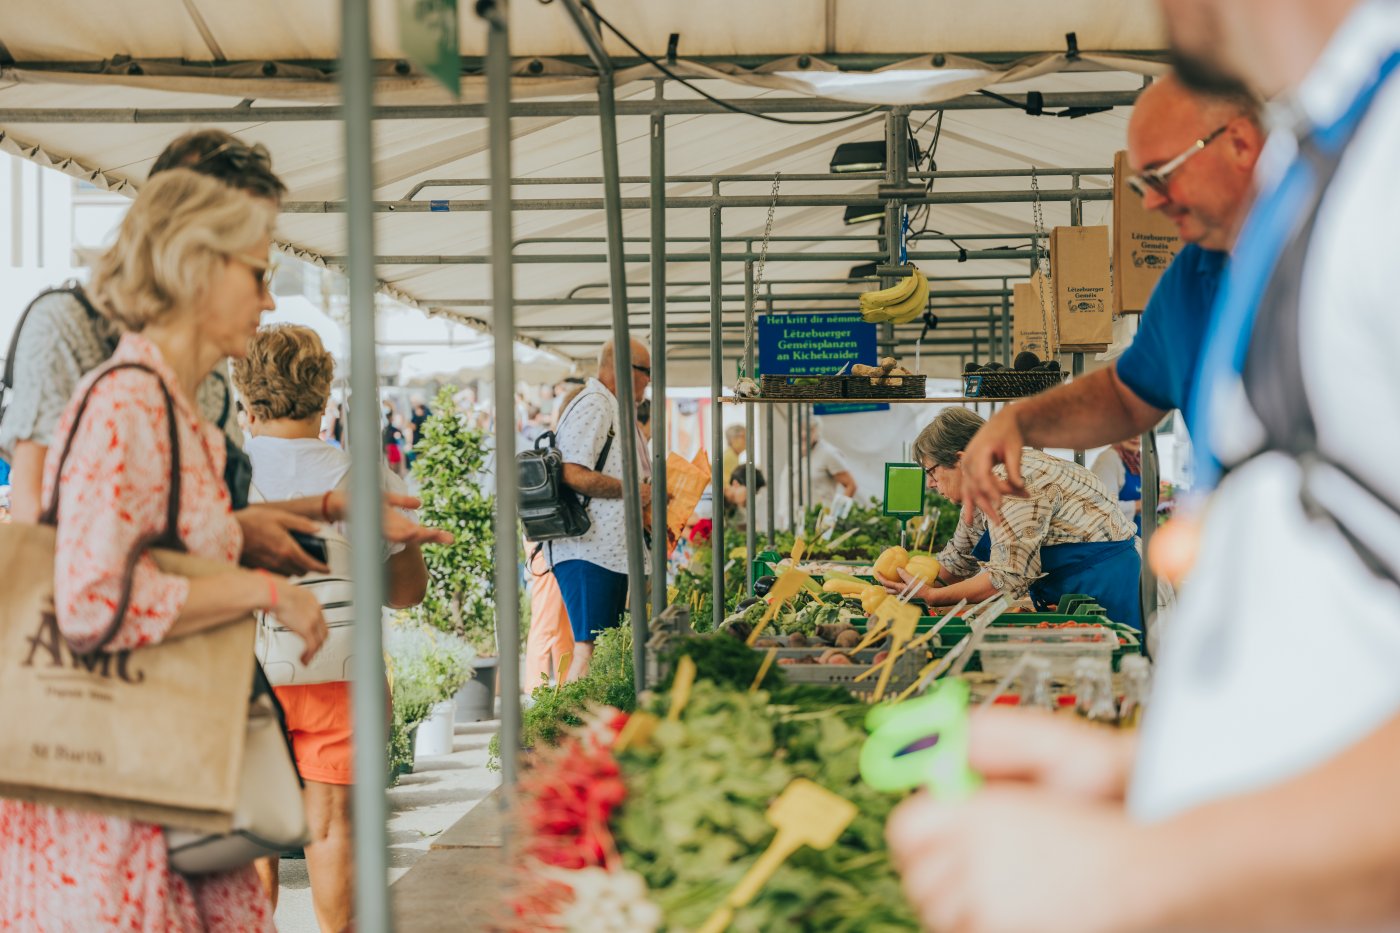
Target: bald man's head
{"x": 1208, "y": 195}
{"x": 641, "y": 368}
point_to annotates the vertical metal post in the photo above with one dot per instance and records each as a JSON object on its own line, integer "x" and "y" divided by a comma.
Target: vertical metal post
{"x": 750, "y": 472}
{"x": 622, "y": 363}
{"x": 792, "y": 467}
{"x": 1076, "y": 219}
{"x": 368, "y": 694}
{"x": 717, "y": 555}
{"x": 802, "y": 451}
{"x": 811, "y": 413}
{"x": 772, "y": 476}
{"x": 659, "y": 437}
{"x": 1007, "y": 348}
{"x": 896, "y": 173}
{"x": 507, "y": 570}
{"x": 1076, "y": 370}
{"x": 1150, "y": 474}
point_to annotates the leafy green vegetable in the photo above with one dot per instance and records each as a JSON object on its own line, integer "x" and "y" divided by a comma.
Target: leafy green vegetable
{"x": 554, "y": 710}
{"x": 694, "y": 819}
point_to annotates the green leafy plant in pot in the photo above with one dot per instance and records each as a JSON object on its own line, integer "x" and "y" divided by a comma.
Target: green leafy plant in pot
{"x": 450, "y": 464}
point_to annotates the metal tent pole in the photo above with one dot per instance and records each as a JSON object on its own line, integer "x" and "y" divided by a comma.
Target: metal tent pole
{"x": 1006, "y": 324}
{"x": 791, "y": 467}
{"x": 659, "y": 438}
{"x": 717, "y": 556}
{"x": 750, "y": 471}
{"x": 507, "y": 581}
{"x": 1150, "y": 489}
{"x": 366, "y": 527}
{"x": 622, "y": 346}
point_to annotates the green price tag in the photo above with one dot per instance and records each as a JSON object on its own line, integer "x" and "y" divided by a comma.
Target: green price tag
{"x": 904, "y": 490}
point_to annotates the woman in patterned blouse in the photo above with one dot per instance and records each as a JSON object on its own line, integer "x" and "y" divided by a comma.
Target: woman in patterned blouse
{"x": 1067, "y": 536}
{"x": 186, "y": 280}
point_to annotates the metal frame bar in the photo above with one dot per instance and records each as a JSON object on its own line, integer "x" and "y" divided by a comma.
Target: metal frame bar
{"x": 368, "y": 700}
{"x": 507, "y": 581}
{"x": 717, "y": 557}
{"x": 622, "y": 334}
{"x": 660, "y": 440}
{"x": 698, "y": 202}
{"x": 731, "y": 178}
{"x": 635, "y": 107}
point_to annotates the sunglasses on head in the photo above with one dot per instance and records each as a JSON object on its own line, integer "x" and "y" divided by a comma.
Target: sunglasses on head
{"x": 237, "y": 155}
{"x": 1159, "y": 179}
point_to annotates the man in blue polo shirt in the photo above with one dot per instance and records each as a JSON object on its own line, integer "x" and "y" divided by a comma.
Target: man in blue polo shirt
{"x": 1195, "y": 158}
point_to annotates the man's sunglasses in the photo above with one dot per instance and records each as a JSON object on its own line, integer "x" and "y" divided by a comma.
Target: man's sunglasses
{"x": 1159, "y": 179}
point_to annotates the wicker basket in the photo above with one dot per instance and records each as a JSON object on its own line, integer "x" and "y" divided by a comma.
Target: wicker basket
{"x": 862, "y": 387}
{"x": 779, "y": 386}
{"x": 1009, "y": 383}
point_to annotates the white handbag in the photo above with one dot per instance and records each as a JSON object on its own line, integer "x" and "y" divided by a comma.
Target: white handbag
{"x": 269, "y": 818}
{"x": 279, "y": 649}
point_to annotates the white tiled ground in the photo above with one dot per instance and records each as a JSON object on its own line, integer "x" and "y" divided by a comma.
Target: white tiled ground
{"x": 437, "y": 794}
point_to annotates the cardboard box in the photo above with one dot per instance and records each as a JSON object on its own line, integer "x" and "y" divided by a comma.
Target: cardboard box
{"x": 1083, "y": 289}
{"x": 1029, "y": 319}
{"x": 1144, "y": 243}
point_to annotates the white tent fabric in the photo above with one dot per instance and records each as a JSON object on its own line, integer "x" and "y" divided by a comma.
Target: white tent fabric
{"x": 209, "y": 56}
{"x": 474, "y": 361}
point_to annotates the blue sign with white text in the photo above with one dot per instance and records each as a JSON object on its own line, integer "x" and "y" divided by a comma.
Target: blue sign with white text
{"x": 801, "y": 344}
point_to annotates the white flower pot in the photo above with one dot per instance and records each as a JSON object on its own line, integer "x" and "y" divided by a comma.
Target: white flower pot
{"x": 435, "y": 732}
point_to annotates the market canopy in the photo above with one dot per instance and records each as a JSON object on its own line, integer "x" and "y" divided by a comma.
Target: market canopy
{"x": 98, "y": 92}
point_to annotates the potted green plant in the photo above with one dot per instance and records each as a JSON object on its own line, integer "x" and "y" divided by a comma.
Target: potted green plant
{"x": 450, "y": 464}
{"x": 427, "y": 667}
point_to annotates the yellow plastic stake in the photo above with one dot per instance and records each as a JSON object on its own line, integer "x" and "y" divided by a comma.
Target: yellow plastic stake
{"x": 562, "y": 670}
{"x": 805, "y": 814}
{"x": 637, "y": 731}
{"x": 902, "y": 628}
{"x": 680, "y": 688}
{"x": 763, "y": 669}
{"x": 784, "y": 588}
{"x": 798, "y": 548}
{"x": 902, "y": 620}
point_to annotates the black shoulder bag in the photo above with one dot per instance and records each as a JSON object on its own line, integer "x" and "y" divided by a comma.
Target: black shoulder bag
{"x": 550, "y": 510}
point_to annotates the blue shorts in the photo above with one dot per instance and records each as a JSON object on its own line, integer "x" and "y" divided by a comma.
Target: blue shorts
{"x": 594, "y": 596}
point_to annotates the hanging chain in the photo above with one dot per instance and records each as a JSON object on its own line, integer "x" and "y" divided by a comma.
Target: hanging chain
{"x": 1042, "y": 262}
{"x": 758, "y": 273}
{"x": 767, "y": 232}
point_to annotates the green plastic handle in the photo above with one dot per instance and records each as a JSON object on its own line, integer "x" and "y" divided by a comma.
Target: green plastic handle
{"x": 941, "y": 766}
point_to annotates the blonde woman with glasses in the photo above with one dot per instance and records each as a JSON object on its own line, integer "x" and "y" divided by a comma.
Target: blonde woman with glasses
{"x": 185, "y": 282}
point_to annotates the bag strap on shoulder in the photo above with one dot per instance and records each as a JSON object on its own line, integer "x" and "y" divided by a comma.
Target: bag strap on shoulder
{"x": 169, "y": 538}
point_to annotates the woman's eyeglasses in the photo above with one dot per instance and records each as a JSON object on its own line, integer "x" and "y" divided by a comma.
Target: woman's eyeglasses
{"x": 263, "y": 270}
{"x": 1159, "y": 179}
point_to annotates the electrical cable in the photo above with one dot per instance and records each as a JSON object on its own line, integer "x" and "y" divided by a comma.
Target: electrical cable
{"x": 727, "y": 105}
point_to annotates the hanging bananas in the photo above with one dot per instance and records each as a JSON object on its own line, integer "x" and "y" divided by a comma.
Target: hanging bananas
{"x": 901, "y": 303}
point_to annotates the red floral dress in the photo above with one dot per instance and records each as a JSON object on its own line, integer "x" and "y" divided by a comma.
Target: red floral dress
{"x": 69, "y": 870}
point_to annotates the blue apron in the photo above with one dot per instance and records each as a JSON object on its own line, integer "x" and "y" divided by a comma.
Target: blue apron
{"x": 1109, "y": 571}
{"x": 1131, "y": 491}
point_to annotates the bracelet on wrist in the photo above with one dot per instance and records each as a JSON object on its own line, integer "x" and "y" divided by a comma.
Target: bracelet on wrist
{"x": 271, "y": 581}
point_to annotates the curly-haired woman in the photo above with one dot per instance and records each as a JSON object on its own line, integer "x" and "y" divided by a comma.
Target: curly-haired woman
{"x": 285, "y": 381}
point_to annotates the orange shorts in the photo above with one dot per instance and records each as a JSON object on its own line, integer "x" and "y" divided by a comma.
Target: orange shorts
{"x": 318, "y": 721}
